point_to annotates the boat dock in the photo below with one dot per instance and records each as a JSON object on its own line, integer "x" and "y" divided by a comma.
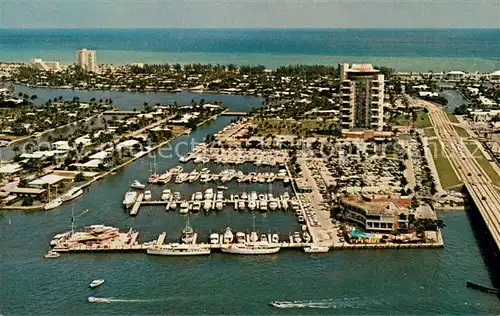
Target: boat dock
{"x": 137, "y": 205}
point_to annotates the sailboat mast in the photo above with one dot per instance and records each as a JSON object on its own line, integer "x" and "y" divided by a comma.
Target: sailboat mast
{"x": 72, "y": 221}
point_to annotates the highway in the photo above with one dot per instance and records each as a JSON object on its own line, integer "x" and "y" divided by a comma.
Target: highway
{"x": 478, "y": 184}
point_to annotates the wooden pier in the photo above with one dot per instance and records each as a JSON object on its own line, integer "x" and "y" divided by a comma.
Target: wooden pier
{"x": 137, "y": 205}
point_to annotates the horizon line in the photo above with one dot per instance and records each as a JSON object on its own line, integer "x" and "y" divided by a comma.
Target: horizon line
{"x": 251, "y": 28}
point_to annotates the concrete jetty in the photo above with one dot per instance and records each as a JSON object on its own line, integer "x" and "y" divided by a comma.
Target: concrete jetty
{"x": 137, "y": 205}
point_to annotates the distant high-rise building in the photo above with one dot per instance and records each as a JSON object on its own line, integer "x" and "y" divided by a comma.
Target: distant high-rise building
{"x": 361, "y": 97}
{"x": 86, "y": 59}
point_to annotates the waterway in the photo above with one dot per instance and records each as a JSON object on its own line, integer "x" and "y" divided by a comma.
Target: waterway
{"x": 455, "y": 99}
{"x": 428, "y": 281}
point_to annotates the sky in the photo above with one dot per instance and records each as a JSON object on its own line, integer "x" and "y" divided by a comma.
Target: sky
{"x": 250, "y": 14}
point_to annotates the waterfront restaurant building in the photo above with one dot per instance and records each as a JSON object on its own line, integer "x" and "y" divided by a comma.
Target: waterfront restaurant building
{"x": 378, "y": 214}
{"x": 361, "y": 97}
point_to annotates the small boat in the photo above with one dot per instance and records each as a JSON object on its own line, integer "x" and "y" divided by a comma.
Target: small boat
{"x": 93, "y": 299}
{"x": 222, "y": 187}
{"x": 52, "y": 255}
{"x": 137, "y": 185}
{"x": 301, "y": 219}
{"x": 263, "y": 206}
{"x": 198, "y": 196}
{"x": 240, "y": 237}
{"x": 147, "y": 195}
{"x": 179, "y": 250}
{"x": 219, "y": 205}
{"x": 177, "y": 195}
{"x": 53, "y": 204}
{"x": 172, "y": 205}
{"x": 228, "y": 236}
{"x": 306, "y": 237}
{"x": 214, "y": 238}
{"x": 304, "y": 228}
{"x": 187, "y": 235}
{"x": 252, "y": 205}
{"x": 72, "y": 194}
{"x": 196, "y": 207}
{"x": 273, "y": 205}
{"x": 296, "y": 237}
{"x": 207, "y": 205}
{"x": 313, "y": 248}
{"x": 263, "y": 238}
{"x": 241, "y": 205}
{"x": 130, "y": 198}
{"x": 96, "y": 283}
{"x": 166, "y": 194}
{"x": 193, "y": 176}
{"x": 275, "y": 238}
{"x": 184, "y": 208}
{"x": 244, "y": 196}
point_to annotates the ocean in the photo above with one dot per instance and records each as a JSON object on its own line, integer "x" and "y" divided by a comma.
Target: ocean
{"x": 405, "y": 50}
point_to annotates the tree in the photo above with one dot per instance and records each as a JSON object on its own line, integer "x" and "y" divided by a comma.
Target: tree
{"x": 79, "y": 177}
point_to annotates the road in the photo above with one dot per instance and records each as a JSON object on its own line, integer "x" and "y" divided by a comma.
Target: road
{"x": 477, "y": 182}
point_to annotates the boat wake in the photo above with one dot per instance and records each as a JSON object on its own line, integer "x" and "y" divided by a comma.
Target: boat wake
{"x": 328, "y": 303}
{"x": 93, "y": 299}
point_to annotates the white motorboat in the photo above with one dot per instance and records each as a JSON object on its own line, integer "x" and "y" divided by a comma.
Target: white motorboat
{"x": 166, "y": 194}
{"x": 130, "y": 198}
{"x": 220, "y": 195}
{"x": 284, "y": 204}
{"x": 241, "y": 205}
{"x": 196, "y": 206}
{"x": 96, "y": 283}
{"x": 296, "y": 237}
{"x": 176, "y": 170}
{"x": 172, "y": 205}
{"x": 254, "y": 237}
{"x": 252, "y": 205}
{"x": 263, "y": 238}
{"x": 214, "y": 238}
{"x": 179, "y": 250}
{"x": 165, "y": 178}
{"x": 93, "y": 299}
{"x": 303, "y": 227}
{"x": 53, "y": 204}
{"x": 240, "y": 237}
{"x": 263, "y": 206}
{"x": 52, "y": 255}
{"x": 71, "y": 194}
{"x": 219, "y": 205}
{"x": 228, "y": 236}
{"x": 198, "y": 196}
{"x": 137, "y": 185}
{"x": 193, "y": 176}
{"x": 222, "y": 187}
{"x": 207, "y": 205}
{"x": 177, "y": 195}
{"x": 251, "y": 249}
{"x": 314, "y": 248}
{"x": 286, "y": 196}
{"x": 253, "y": 195}
{"x": 244, "y": 196}
{"x": 147, "y": 195}
{"x": 275, "y": 238}
{"x": 187, "y": 235}
{"x": 273, "y": 205}
{"x": 306, "y": 237}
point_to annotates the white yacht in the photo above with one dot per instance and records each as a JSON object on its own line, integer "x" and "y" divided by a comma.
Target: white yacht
{"x": 254, "y": 237}
{"x": 193, "y": 176}
{"x": 252, "y": 205}
{"x": 198, "y": 196}
{"x": 284, "y": 204}
{"x": 251, "y": 249}
{"x": 187, "y": 235}
{"x": 228, "y": 236}
{"x": 172, "y": 205}
{"x": 240, "y": 237}
{"x": 220, "y": 195}
{"x": 314, "y": 248}
{"x": 273, "y": 205}
{"x": 196, "y": 206}
{"x": 244, "y": 196}
{"x": 306, "y": 237}
{"x": 184, "y": 207}
{"x": 72, "y": 194}
{"x": 96, "y": 283}
{"x": 137, "y": 185}
{"x": 179, "y": 250}
{"x": 53, "y": 204}
{"x": 296, "y": 237}
{"x": 165, "y": 178}
{"x": 207, "y": 205}
{"x": 147, "y": 195}
{"x": 253, "y": 195}
{"x": 263, "y": 206}
{"x": 275, "y": 238}
{"x": 214, "y": 238}
{"x": 177, "y": 195}
{"x": 219, "y": 205}
{"x": 166, "y": 194}
{"x": 241, "y": 205}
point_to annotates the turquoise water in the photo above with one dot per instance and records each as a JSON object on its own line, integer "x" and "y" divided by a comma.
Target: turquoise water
{"x": 427, "y": 281}
{"x": 358, "y": 233}
{"x": 404, "y": 50}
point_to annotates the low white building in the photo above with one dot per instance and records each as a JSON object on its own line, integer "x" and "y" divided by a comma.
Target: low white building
{"x": 61, "y": 145}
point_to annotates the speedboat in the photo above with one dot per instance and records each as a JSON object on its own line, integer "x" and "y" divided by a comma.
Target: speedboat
{"x": 193, "y": 176}
{"x": 147, "y": 195}
{"x": 214, "y": 238}
{"x": 219, "y": 195}
{"x": 177, "y": 195}
{"x": 52, "y": 255}
{"x": 130, "y": 198}
{"x": 184, "y": 207}
{"x": 166, "y": 194}
{"x": 137, "y": 185}
{"x": 296, "y": 237}
{"x": 228, "y": 236}
{"x": 96, "y": 283}
{"x": 93, "y": 299}
{"x": 53, "y": 204}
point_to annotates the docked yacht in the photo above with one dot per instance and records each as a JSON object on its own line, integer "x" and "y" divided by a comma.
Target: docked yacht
{"x": 154, "y": 178}
{"x": 179, "y": 250}
{"x": 207, "y": 205}
{"x": 53, "y": 204}
{"x": 314, "y": 248}
{"x": 252, "y": 204}
{"x": 263, "y": 206}
{"x": 166, "y": 194}
{"x": 241, "y": 205}
{"x": 71, "y": 194}
{"x": 306, "y": 237}
{"x": 253, "y": 195}
{"x": 209, "y": 194}
{"x": 220, "y": 195}
{"x": 251, "y": 249}
{"x": 187, "y": 235}
{"x": 176, "y": 170}
{"x": 240, "y": 237}
{"x": 196, "y": 207}
{"x": 219, "y": 205}
{"x": 284, "y": 204}
{"x": 275, "y": 238}
{"x": 137, "y": 185}
{"x": 130, "y": 198}
{"x": 273, "y": 205}
{"x": 214, "y": 238}
{"x": 193, "y": 176}
{"x": 198, "y": 196}
{"x": 51, "y": 255}
{"x": 184, "y": 207}
{"x": 228, "y": 236}
{"x": 147, "y": 195}
{"x": 165, "y": 178}
{"x": 296, "y": 237}
{"x": 244, "y": 196}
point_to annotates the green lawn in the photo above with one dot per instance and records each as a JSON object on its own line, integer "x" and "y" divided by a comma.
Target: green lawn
{"x": 483, "y": 162}
{"x": 452, "y": 117}
{"x": 429, "y": 132}
{"x": 423, "y": 120}
{"x": 447, "y": 175}
{"x": 461, "y": 131}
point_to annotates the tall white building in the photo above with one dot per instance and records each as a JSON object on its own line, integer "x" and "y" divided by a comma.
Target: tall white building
{"x": 361, "y": 97}
{"x": 86, "y": 59}
{"x": 38, "y": 63}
